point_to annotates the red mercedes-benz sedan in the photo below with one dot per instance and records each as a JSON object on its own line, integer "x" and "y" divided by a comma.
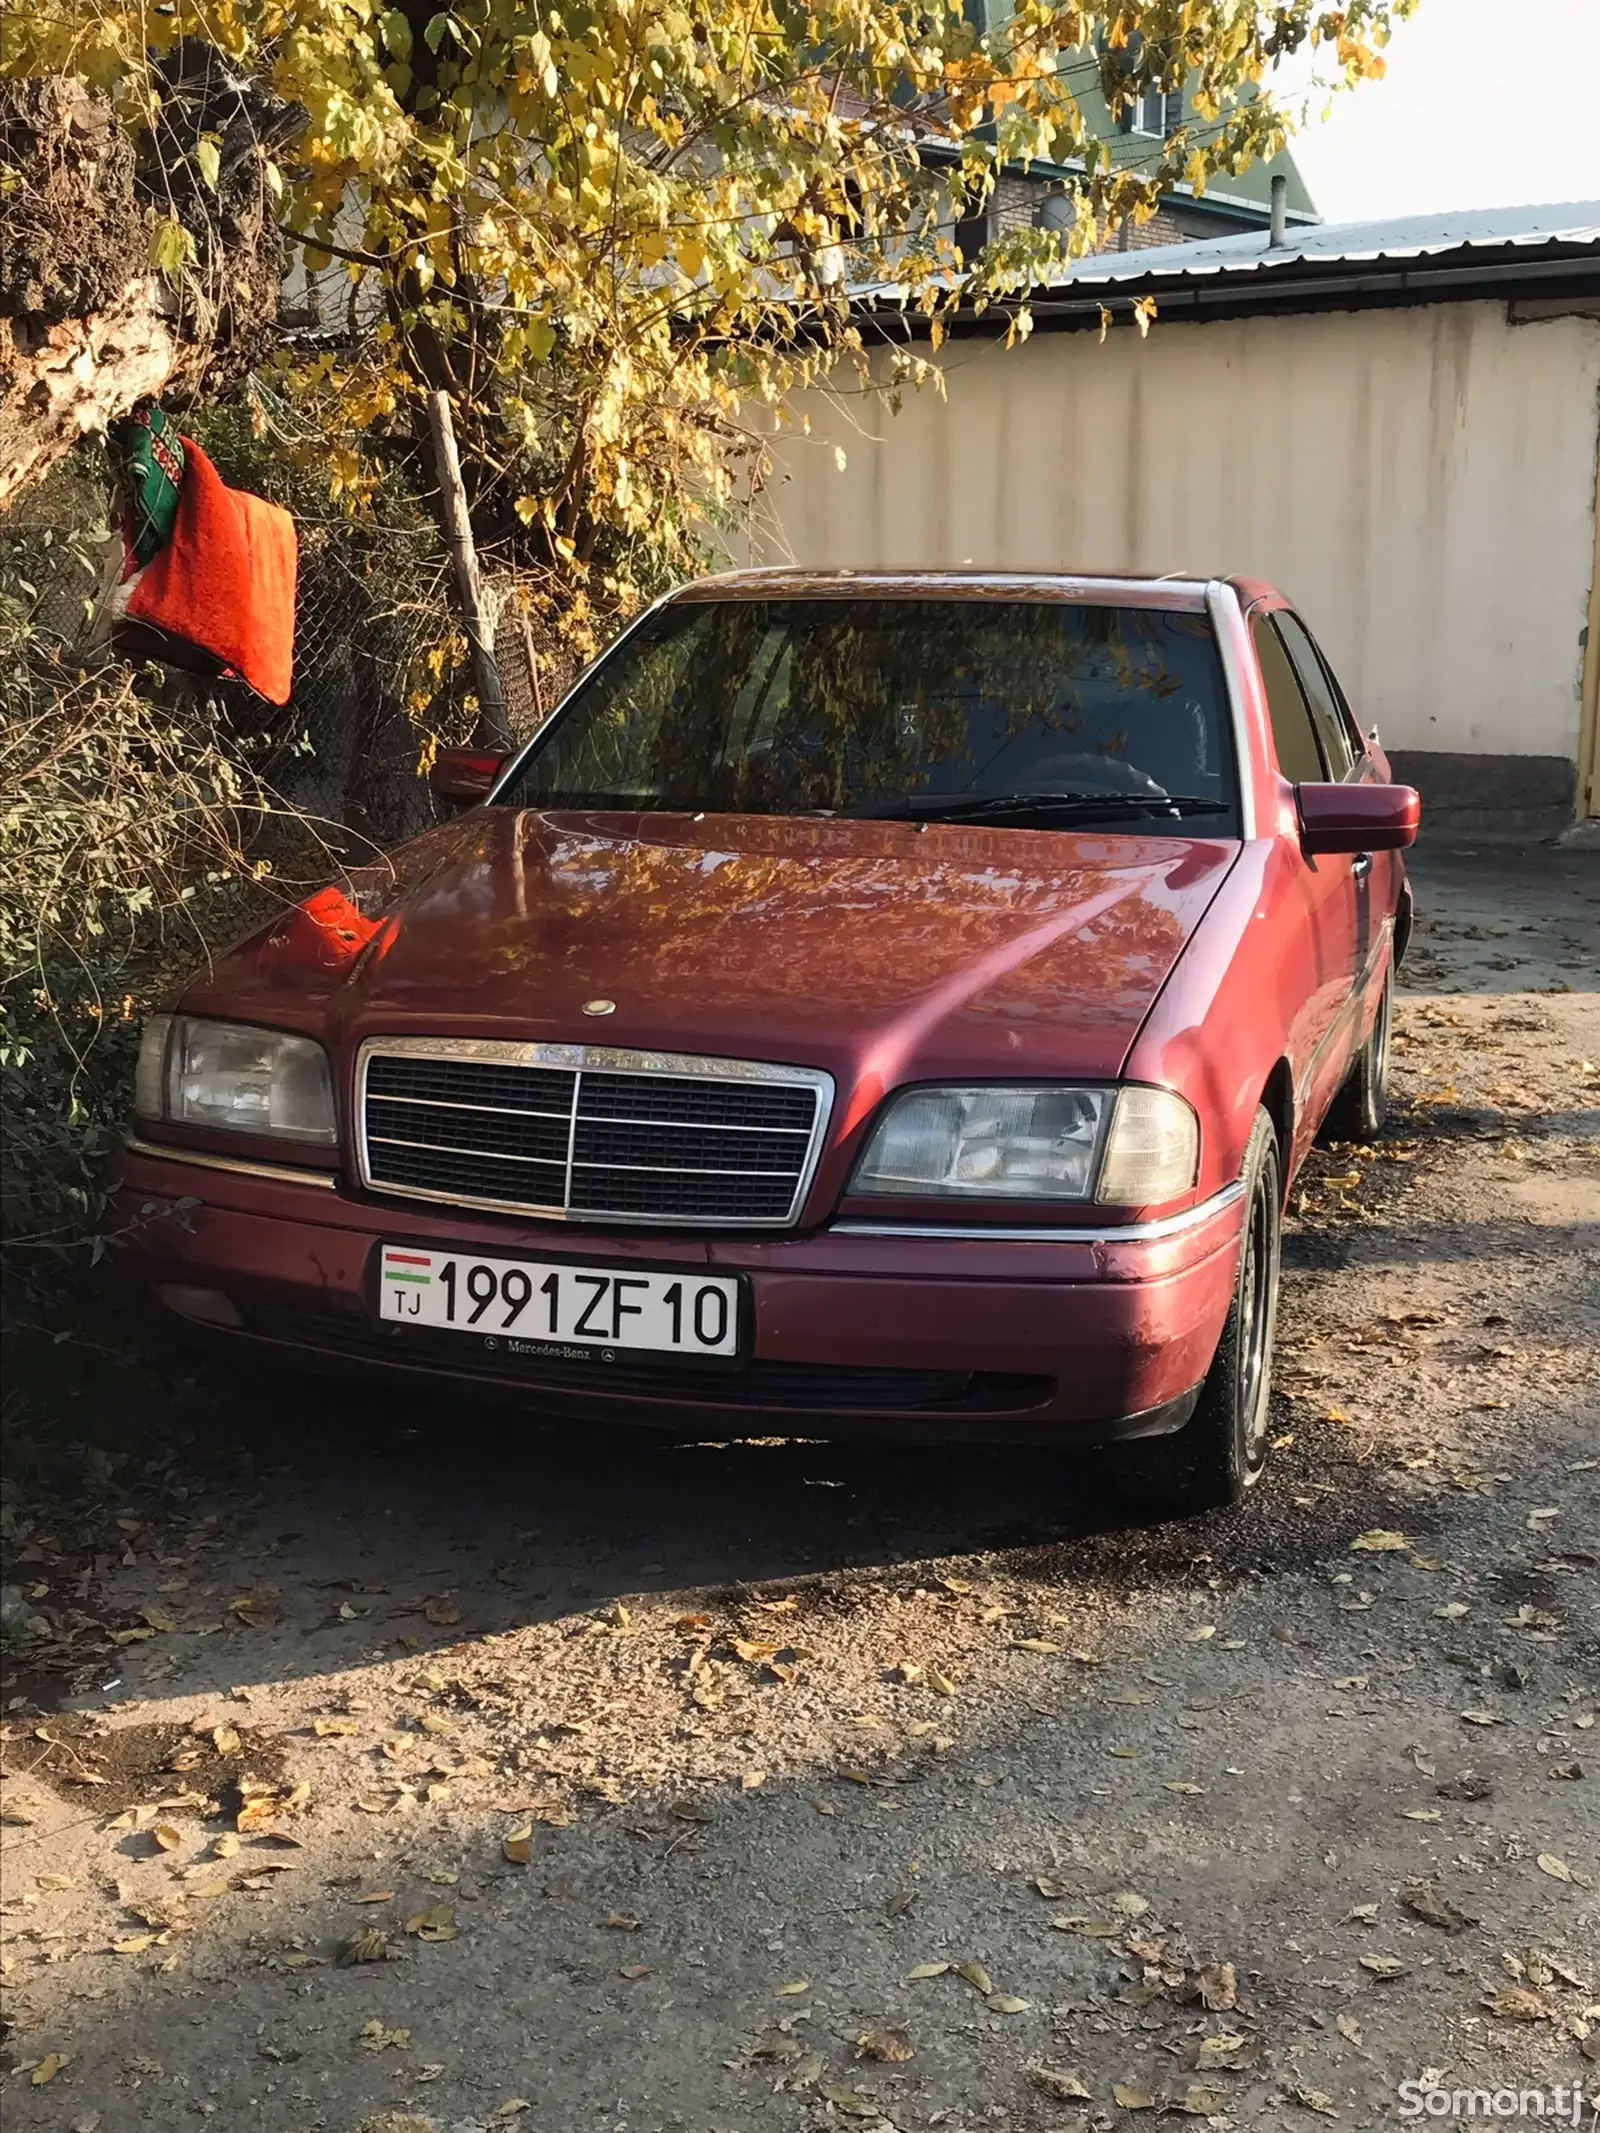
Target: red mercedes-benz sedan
{"x": 887, "y": 1002}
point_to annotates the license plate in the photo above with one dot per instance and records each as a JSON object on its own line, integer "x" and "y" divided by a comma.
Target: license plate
{"x": 539, "y": 1300}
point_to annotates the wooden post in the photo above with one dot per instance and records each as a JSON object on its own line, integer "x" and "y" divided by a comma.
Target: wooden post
{"x": 494, "y": 729}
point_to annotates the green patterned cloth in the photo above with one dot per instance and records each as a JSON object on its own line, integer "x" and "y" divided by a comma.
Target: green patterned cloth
{"x": 147, "y": 459}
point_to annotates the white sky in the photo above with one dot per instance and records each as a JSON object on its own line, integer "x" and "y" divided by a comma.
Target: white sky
{"x": 1486, "y": 103}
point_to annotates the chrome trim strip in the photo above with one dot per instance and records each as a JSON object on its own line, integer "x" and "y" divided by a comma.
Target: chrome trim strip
{"x": 1129, "y": 1233}
{"x": 597, "y": 1059}
{"x": 1222, "y": 606}
{"x": 279, "y": 1173}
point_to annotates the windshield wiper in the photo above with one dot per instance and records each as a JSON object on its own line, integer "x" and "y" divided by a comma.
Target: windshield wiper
{"x": 978, "y": 807}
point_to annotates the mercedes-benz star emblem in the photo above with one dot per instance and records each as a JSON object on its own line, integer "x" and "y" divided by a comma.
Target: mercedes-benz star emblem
{"x": 599, "y": 1007}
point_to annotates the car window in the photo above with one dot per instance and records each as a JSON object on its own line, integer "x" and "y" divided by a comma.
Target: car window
{"x": 1299, "y": 757}
{"x": 844, "y": 705}
{"x": 1326, "y": 714}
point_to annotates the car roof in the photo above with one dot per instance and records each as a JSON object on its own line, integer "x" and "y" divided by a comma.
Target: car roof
{"x": 1180, "y": 590}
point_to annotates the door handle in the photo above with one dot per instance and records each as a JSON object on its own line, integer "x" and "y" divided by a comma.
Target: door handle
{"x": 1361, "y": 864}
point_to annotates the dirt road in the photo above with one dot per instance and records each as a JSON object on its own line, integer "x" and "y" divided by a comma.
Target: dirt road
{"x": 654, "y": 1779}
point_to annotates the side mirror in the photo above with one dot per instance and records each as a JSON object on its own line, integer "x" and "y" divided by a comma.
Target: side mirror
{"x": 1357, "y": 818}
{"x": 461, "y": 777}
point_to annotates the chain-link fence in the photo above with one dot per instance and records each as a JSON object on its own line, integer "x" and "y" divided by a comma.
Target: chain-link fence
{"x": 380, "y": 668}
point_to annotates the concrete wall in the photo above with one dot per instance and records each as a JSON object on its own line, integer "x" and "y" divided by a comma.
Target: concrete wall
{"x": 1421, "y": 482}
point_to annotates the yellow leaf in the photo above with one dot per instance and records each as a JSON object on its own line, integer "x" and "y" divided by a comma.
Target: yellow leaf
{"x": 47, "y": 2069}
{"x": 135, "y": 1943}
{"x": 976, "y": 1976}
{"x": 799, "y": 1985}
{"x": 1557, "y": 1869}
{"x": 922, "y": 1970}
{"x": 166, "y": 1836}
{"x": 1007, "y": 2003}
{"x": 1132, "y": 2099}
{"x": 1379, "y": 1540}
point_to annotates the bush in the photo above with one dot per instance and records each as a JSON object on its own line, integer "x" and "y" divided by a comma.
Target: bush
{"x": 125, "y": 824}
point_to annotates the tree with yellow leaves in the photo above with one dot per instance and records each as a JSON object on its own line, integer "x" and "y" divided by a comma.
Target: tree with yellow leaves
{"x": 618, "y": 233}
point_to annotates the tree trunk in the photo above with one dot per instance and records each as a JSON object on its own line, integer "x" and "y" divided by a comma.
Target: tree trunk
{"x": 87, "y": 328}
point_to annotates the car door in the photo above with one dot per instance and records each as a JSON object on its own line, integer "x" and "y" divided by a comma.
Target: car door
{"x": 1332, "y": 893}
{"x": 1379, "y": 875}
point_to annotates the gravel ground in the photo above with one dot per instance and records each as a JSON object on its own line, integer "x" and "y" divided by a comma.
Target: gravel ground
{"x": 380, "y": 1774}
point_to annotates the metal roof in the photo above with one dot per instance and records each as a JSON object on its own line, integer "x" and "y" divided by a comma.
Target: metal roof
{"x": 1478, "y": 231}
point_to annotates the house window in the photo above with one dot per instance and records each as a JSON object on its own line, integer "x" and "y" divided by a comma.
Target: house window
{"x": 1158, "y": 112}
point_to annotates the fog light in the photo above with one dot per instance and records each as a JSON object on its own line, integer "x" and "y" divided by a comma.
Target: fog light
{"x": 207, "y": 1307}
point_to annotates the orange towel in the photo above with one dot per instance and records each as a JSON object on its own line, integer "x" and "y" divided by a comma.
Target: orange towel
{"x": 224, "y": 584}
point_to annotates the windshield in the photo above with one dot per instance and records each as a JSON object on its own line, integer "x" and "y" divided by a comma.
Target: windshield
{"x": 973, "y": 709}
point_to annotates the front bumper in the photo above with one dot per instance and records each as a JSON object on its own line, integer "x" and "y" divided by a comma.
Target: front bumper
{"x": 1074, "y": 1335}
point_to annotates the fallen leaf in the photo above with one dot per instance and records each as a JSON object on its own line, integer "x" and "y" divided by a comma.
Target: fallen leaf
{"x": 1132, "y": 2099}
{"x": 940, "y": 1683}
{"x": 1202, "y": 1633}
{"x": 1518, "y": 2004}
{"x": 1557, "y": 1869}
{"x": 225, "y": 1739}
{"x": 622, "y": 1923}
{"x": 47, "y": 2069}
{"x": 1034, "y": 1644}
{"x": 1482, "y": 1718}
{"x": 1434, "y": 1910}
{"x": 326, "y": 1728}
{"x": 137, "y": 1943}
{"x": 376, "y": 2038}
{"x": 1219, "y": 1987}
{"x": 437, "y": 1922}
{"x": 1064, "y": 2083}
{"x": 1048, "y": 1887}
{"x": 1198, "y": 2102}
{"x": 1348, "y": 2028}
{"x": 442, "y": 1612}
{"x": 850, "y": 2101}
{"x": 166, "y": 1837}
{"x": 1469, "y": 1786}
{"x": 807, "y": 2071}
{"x": 1315, "y": 2100}
{"x": 1182, "y": 1785}
{"x": 511, "y": 2108}
{"x": 1384, "y": 1966}
{"x": 256, "y": 1610}
{"x": 1379, "y": 1540}
{"x": 517, "y": 1845}
{"x": 922, "y": 1970}
{"x": 976, "y": 1976}
{"x": 261, "y": 1804}
{"x": 751, "y": 1780}
{"x": 892, "y": 2046}
{"x": 800, "y": 1984}
{"x": 1007, "y": 2003}
{"x": 633, "y": 1970}
{"x": 225, "y": 1846}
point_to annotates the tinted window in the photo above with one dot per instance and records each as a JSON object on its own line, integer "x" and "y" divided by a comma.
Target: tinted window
{"x": 1298, "y": 756}
{"x": 1326, "y": 714}
{"x": 795, "y": 706}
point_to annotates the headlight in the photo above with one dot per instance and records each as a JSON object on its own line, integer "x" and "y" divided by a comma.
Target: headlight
{"x": 1131, "y": 1146}
{"x": 234, "y": 1079}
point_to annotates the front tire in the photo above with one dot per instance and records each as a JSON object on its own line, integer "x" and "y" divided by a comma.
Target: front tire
{"x": 1358, "y": 1111}
{"x": 1221, "y": 1450}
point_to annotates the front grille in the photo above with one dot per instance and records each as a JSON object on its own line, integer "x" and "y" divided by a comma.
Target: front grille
{"x": 588, "y": 1133}
{"x": 748, "y": 1382}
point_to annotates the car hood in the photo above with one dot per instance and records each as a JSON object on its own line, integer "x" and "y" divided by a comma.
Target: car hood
{"x": 883, "y": 951}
